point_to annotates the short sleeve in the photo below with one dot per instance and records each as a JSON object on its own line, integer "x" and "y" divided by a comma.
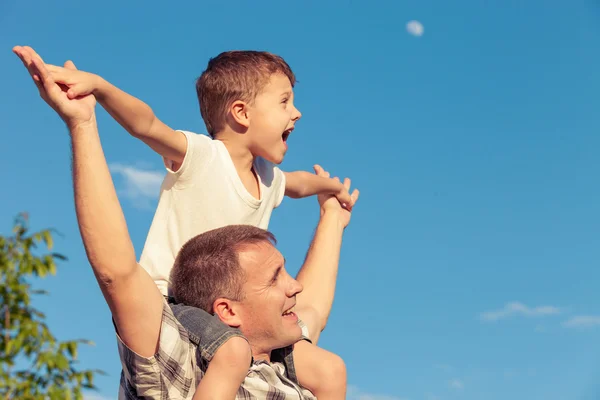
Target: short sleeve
{"x": 199, "y": 151}
{"x": 173, "y": 365}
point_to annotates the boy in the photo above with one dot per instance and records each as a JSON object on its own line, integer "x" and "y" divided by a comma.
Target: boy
{"x": 246, "y": 101}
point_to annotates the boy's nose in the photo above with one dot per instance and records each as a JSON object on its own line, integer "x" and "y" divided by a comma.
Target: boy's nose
{"x": 297, "y": 115}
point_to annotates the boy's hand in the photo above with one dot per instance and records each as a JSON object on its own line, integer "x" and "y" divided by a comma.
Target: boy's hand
{"x": 74, "y": 111}
{"x": 79, "y": 83}
{"x": 344, "y": 197}
{"x": 328, "y": 203}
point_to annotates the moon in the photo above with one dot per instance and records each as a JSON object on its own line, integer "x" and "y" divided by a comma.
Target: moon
{"x": 415, "y": 28}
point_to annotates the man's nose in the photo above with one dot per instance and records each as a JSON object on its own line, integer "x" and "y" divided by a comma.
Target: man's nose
{"x": 294, "y": 287}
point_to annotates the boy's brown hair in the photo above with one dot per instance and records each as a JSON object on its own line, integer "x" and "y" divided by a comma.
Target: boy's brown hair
{"x": 207, "y": 267}
{"x": 235, "y": 75}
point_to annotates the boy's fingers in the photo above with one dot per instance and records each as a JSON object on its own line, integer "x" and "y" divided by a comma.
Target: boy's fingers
{"x": 355, "y": 195}
{"x": 54, "y": 68}
{"x": 347, "y": 183}
{"x": 78, "y": 90}
{"x": 70, "y": 65}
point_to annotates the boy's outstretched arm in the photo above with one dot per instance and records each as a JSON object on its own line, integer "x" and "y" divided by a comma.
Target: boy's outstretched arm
{"x": 301, "y": 184}
{"x": 133, "y": 114}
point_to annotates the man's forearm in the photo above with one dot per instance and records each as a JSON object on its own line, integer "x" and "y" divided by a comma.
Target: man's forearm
{"x": 318, "y": 275}
{"x": 133, "y": 298}
{"x": 101, "y": 221}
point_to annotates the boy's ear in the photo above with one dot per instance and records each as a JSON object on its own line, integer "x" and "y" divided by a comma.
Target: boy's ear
{"x": 240, "y": 113}
{"x": 227, "y": 312}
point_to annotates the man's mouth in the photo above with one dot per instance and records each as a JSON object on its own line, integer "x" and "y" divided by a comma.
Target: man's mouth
{"x": 289, "y": 312}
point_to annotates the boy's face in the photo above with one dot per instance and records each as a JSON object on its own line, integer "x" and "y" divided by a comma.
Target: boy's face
{"x": 272, "y": 119}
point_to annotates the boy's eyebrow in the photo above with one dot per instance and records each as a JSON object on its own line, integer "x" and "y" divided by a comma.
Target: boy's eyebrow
{"x": 287, "y": 92}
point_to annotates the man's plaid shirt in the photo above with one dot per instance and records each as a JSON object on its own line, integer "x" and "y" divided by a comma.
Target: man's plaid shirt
{"x": 177, "y": 368}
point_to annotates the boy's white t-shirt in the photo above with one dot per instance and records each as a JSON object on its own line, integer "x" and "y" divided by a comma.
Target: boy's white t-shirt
{"x": 204, "y": 194}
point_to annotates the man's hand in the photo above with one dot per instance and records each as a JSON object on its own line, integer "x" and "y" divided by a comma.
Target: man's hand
{"x": 332, "y": 204}
{"x": 74, "y": 111}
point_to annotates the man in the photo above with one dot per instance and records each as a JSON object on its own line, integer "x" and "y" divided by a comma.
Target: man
{"x": 253, "y": 292}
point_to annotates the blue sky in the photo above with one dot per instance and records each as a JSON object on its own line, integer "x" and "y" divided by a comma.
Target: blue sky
{"x": 470, "y": 270}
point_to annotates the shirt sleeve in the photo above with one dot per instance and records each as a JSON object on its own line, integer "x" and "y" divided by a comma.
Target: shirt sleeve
{"x": 199, "y": 152}
{"x": 170, "y": 371}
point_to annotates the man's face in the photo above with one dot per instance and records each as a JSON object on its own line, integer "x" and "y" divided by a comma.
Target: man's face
{"x": 273, "y": 116}
{"x": 269, "y": 294}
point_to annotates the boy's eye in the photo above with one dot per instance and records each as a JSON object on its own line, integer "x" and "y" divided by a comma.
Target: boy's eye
{"x": 285, "y": 100}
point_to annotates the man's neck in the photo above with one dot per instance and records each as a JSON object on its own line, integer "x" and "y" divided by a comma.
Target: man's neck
{"x": 260, "y": 354}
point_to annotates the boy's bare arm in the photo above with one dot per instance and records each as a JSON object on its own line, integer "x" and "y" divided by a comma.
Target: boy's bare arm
{"x": 301, "y": 184}
{"x": 226, "y": 371}
{"x": 130, "y": 112}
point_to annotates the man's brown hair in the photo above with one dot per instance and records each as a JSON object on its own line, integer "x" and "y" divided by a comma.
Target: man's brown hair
{"x": 207, "y": 266}
{"x": 235, "y": 75}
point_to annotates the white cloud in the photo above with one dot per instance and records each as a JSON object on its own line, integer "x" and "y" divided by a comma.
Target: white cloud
{"x": 456, "y": 384}
{"x": 582, "y": 321}
{"x": 443, "y": 367}
{"x": 96, "y": 397}
{"x": 415, "y": 28}
{"x": 354, "y": 393}
{"x": 140, "y": 186}
{"x": 516, "y": 308}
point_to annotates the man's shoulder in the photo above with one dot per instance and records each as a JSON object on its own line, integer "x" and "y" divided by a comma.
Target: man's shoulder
{"x": 171, "y": 369}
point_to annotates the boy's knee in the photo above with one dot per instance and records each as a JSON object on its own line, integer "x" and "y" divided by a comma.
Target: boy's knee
{"x": 334, "y": 373}
{"x": 235, "y": 351}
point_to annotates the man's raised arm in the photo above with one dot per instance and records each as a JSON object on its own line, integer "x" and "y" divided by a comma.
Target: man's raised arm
{"x": 133, "y": 298}
{"x": 318, "y": 275}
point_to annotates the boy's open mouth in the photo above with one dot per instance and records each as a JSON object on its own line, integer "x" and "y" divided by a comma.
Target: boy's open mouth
{"x": 286, "y": 134}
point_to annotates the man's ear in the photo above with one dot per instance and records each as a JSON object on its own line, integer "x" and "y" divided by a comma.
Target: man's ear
{"x": 227, "y": 311}
{"x": 240, "y": 113}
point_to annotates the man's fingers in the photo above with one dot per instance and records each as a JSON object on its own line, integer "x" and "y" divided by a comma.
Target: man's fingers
{"x": 26, "y": 59}
{"x": 33, "y": 53}
{"x": 41, "y": 70}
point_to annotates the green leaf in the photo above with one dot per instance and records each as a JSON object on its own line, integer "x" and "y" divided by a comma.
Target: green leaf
{"x": 27, "y": 339}
{"x": 47, "y": 236}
